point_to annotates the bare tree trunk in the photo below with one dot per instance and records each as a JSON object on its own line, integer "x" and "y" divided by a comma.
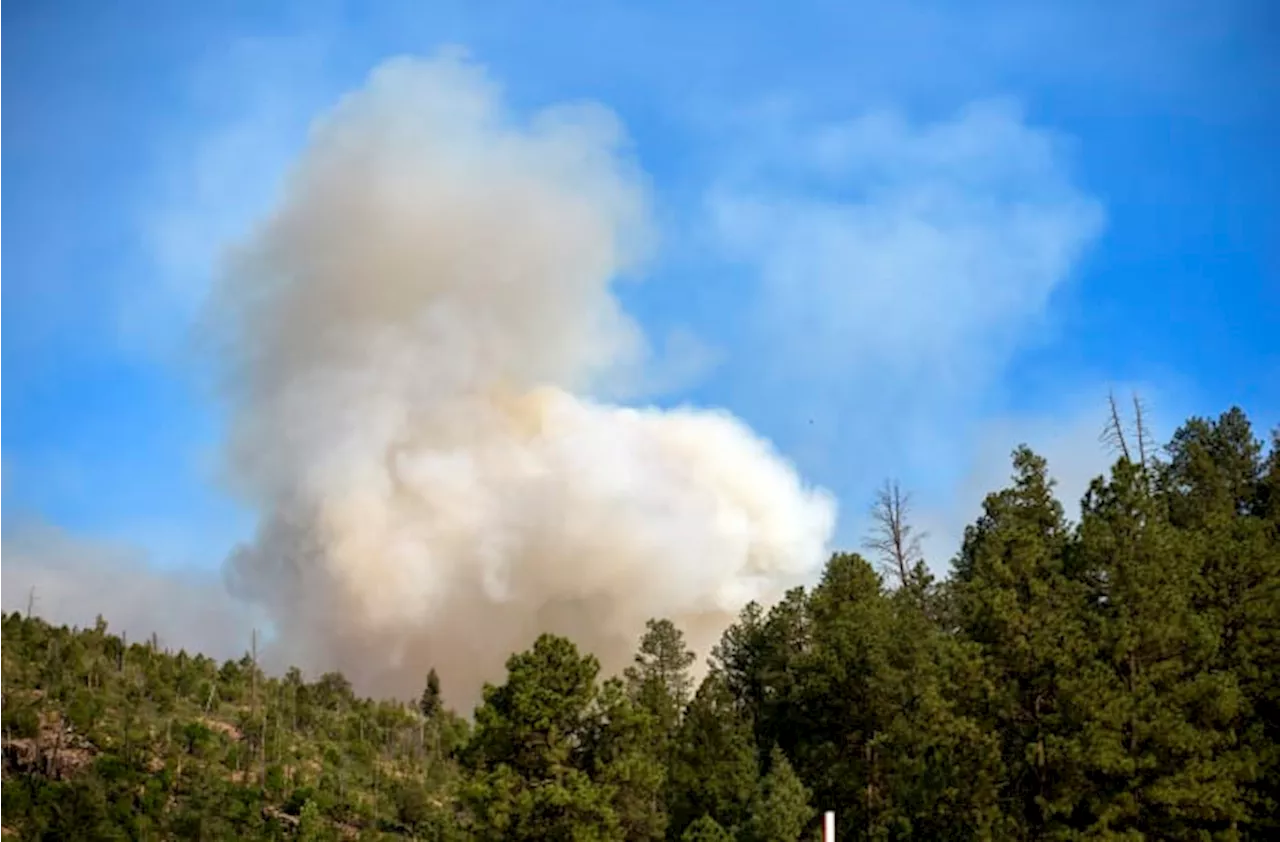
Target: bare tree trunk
{"x": 253, "y": 672}
{"x": 892, "y": 537}
{"x": 1140, "y": 425}
{"x": 279, "y": 743}
{"x": 1113, "y": 435}
{"x": 52, "y": 769}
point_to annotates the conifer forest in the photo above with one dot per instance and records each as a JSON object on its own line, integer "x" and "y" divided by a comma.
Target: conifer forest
{"x": 1108, "y": 670}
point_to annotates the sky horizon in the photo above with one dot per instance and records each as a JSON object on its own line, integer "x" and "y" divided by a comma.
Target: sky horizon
{"x": 894, "y": 239}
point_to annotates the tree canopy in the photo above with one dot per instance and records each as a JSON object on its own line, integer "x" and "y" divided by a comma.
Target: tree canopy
{"x": 1114, "y": 674}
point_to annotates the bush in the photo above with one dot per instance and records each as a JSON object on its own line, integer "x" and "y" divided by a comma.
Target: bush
{"x": 21, "y": 721}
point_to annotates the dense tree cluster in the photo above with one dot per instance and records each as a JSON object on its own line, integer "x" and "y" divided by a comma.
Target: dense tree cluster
{"x": 1112, "y": 677}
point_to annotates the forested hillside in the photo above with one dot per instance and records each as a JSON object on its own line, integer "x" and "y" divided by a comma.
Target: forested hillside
{"x": 1115, "y": 675}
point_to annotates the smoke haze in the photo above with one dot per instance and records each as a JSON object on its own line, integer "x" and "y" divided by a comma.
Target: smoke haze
{"x": 422, "y": 348}
{"x": 69, "y": 579}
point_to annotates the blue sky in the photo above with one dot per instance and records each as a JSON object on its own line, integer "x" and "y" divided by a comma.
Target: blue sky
{"x": 896, "y": 238}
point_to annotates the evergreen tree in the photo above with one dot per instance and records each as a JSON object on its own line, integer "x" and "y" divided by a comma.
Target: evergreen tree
{"x": 840, "y": 709}
{"x": 1260, "y": 649}
{"x": 939, "y": 767}
{"x": 311, "y": 825}
{"x": 1160, "y": 747}
{"x": 739, "y": 656}
{"x": 1019, "y": 599}
{"x": 1221, "y": 495}
{"x": 527, "y": 750}
{"x": 1115, "y": 680}
{"x": 659, "y": 680}
{"x": 430, "y": 703}
{"x": 780, "y": 810}
{"x": 714, "y": 769}
{"x": 706, "y": 829}
{"x": 1268, "y": 501}
{"x": 625, "y": 750}
{"x": 1213, "y": 470}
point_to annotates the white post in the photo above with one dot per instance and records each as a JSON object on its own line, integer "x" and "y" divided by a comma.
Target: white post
{"x": 829, "y": 826}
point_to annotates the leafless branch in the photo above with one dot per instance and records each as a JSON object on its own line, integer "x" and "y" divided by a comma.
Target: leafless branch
{"x": 893, "y": 539}
{"x": 1113, "y": 435}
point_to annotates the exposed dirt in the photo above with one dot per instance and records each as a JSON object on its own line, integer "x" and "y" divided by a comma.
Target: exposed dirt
{"x": 56, "y": 751}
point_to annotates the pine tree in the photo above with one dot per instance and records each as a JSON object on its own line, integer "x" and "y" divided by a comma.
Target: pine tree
{"x": 780, "y": 810}
{"x": 739, "y": 654}
{"x": 1115, "y": 680}
{"x": 714, "y": 769}
{"x": 1221, "y": 495}
{"x": 1019, "y": 600}
{"x": 1213, "y": 470}
{"x": 939, "y": 768}
{"x": 526, "y": 750}
{"x": 626, "y": 750}
{"x": 839, "y": 709}
{"x": 431, "y": 703}
{"x": 312, "y": 826}
{"x": 706, "y": 829}
{"x": 1160, "y": 747}
{"x": 1261, "y": 678}
{"x": 659, "y": 680}
{"x": 1268, "y": 500}
{"x": 762, "y": 659}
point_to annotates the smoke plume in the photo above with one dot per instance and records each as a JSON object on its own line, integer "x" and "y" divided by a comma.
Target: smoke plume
{"x": 422, "y": 340}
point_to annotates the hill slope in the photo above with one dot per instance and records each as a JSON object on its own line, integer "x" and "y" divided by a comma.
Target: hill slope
{"x": 1115, "y": 676}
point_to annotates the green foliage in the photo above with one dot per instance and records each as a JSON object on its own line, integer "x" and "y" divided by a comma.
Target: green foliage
{"x": 568, "y": 806}
{"x": 431, "y": 703}
{"x": 780, "y": 810}
{"x": 659, "y": 680}
{"x": 532, "y": 723}
{"x": 105, "y": 739}
{"x": 526, "y": 751}
{"x": 1019, "y": 601}
{"x": 625, "y": 750}
{"x": 1116, "y": 678}
{"x": 1160, "y": 711}
{"x": 714, "y": 769}
{"x": 311, "y": 825}
{"x": 706, "y": 829}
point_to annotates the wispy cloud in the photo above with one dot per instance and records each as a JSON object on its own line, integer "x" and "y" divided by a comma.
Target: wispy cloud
{"x": 217, "y": 176}
{"x": 898, "y": 266}
{"x": 922, "y": 242}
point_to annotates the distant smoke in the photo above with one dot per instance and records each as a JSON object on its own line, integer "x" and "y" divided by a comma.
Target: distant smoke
{"x": 70, "y": 579}
{"x": 421, "y": 340}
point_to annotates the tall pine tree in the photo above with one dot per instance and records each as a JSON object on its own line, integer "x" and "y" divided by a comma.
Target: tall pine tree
{"x": 527, "y": 750}
{"x": 1159, "y": 746}
{"x": 1018, "y": 599}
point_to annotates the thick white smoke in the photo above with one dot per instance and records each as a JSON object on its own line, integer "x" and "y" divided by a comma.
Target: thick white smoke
{"x": 414, "y": 338}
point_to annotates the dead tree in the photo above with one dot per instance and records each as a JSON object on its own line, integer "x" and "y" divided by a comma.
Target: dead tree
{"x": 1113, "y": 434}
{"x": 1140, "y": 428}
{"x": 1116, "y": 434}
{"x": 893, "y": 539}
